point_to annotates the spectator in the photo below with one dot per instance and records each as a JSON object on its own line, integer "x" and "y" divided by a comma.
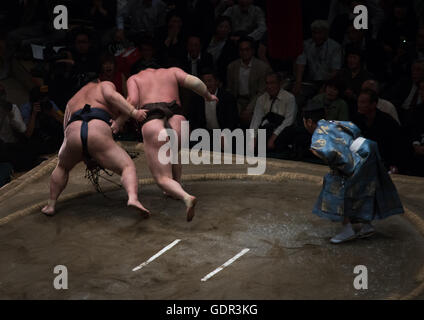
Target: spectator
{"x": 372, "y": 51}
{"x": 321, "y": 57}
{"x": 171, "y": 41}
{"x": 335, "y": 107}
{"x": 275, "y": 111}
{"x": 415, "y": 134}
{"x": 11, "y": 124}
{"x": 246, "y": 80}
{"x": 382, "y": 105}
{"x": 13, "y": 147}
{"x": 44, "y": 122}
{"x": 145, "y": 16}
{"x": 248, "y": 20}
{"x": 196, "y": 60}
{"x": 109, "y": 72}
{"x": 222, "y": 49}
{"x": 147, "y": 57}
{"x": 382, "y": 128}
{"x": 354, "y": 75}
{"x": 35, "y": 27}
{"x": 405, "y": 94}
{"x": 213, "y": 115}
{"x": 83, "y": 55}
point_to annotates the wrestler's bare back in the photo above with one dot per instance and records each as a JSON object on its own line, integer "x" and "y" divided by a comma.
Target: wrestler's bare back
{"x": 90, "y": 94}
{"x": 156, "y": 85}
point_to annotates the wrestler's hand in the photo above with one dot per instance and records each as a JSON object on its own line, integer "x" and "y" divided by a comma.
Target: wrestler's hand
{"x": 212, "y": 97}
{"x": 140, "y": 115}
{"x": 115, "y": 126}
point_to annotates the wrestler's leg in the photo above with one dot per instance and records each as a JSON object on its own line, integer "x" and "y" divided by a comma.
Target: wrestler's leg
{"x": 175, "y": 123}
{"x": 162, "y": 173}
{"x": 110, "y": 156}
{"x": 69, "y": 155}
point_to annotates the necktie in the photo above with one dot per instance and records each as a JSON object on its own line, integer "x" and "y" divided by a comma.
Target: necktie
{"x": 415, "y": 99}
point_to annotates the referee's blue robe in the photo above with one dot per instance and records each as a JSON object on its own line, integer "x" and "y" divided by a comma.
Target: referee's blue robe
{"x": 358, "y": 185}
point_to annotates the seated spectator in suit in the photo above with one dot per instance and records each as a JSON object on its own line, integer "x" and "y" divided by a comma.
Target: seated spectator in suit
{"x": 221, "y": 47}
{"x": 246, "y": 80}
{"x": 321, "y": 58}
{"x": 109, "y": 72}
{"x": 405, "y": 94}
{"x": 195, "y": 60}
{"x": 382, "y": 105}
{"x": 213, "y": 115}
{"x": 335, "y": 107}
{"x": 383, "y": 129}
{"x": 414, "y": 126}
{"x": 275, "y": 111}
{"x": 147, "y": 57}
{"x": 44, "y": 122}
{"x": 248, "y": 20}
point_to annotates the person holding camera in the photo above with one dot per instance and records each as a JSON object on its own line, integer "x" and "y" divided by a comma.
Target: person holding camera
{"x": 11, "y": 123}
{"x": 44, "y": 122}
{"x": 13, "y": 150}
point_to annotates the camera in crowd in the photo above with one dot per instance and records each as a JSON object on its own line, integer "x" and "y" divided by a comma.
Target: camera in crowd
{"x": 40, "y": 95}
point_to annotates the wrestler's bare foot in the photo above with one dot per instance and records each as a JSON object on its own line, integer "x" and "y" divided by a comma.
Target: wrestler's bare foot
{"x": 139, "y": 207}
{"x": 49, "y": 209}
{"x": 190, "y": 203}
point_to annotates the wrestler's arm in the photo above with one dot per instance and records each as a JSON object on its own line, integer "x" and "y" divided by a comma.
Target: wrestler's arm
{"x": 114, "y": 98}
{"x": 194, "y": 84}
{"x": 133, "y": 98}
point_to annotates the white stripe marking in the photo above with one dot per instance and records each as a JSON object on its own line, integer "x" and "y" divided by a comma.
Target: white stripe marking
{"x": 168, "y": 247}
{"x": 226, "y": 264}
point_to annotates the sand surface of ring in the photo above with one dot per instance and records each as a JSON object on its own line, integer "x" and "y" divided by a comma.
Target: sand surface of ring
{"x": 290, "y": 257}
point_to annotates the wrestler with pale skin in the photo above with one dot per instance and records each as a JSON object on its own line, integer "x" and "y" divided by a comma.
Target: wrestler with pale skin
{"x": 101, "y": 146}
{"x": 161, "y": 85}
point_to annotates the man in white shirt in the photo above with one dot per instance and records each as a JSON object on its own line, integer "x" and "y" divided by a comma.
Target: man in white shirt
{"x": 11, "y": 123}
{"x": 383, "y": 105}
{"x": 278, "y": 101}
{"x": 13, "y": 148}
{"x": 321, "y": 57}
